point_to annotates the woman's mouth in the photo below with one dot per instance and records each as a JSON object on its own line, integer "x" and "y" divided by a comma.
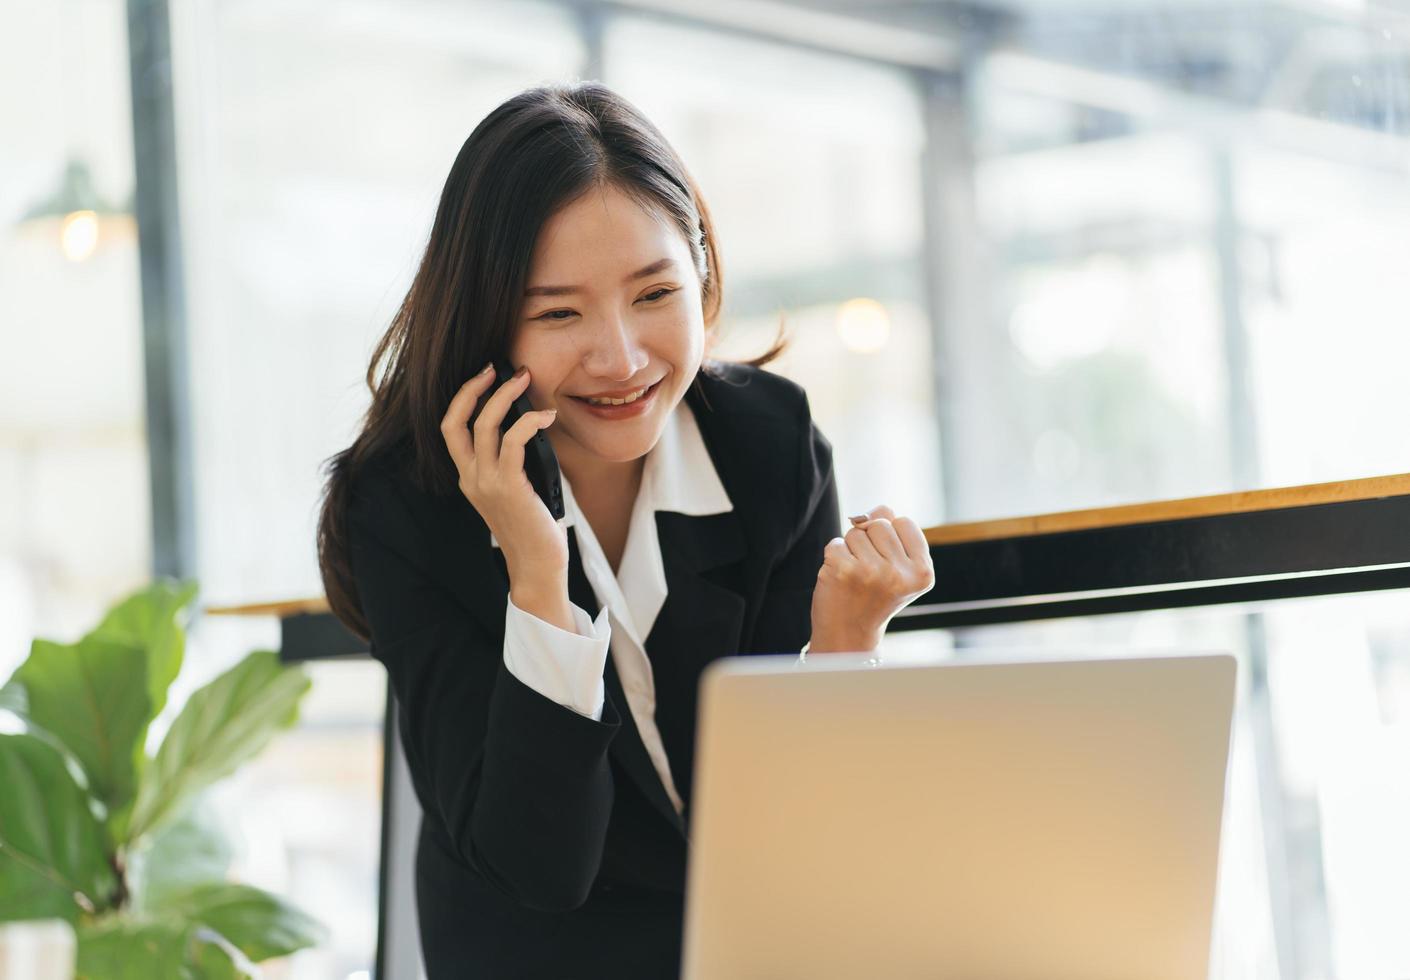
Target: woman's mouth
{"x": 620, "y": 408}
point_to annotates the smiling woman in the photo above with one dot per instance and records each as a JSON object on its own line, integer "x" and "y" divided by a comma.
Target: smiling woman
{"x": 616, "y": 337}
{"x": 546, "y": 671}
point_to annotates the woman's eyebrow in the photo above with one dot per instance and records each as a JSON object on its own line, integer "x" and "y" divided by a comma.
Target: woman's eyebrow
{"x": 650, "y": 270}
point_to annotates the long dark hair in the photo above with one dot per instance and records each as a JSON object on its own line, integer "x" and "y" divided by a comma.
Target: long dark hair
{"x": 533, "y": 154}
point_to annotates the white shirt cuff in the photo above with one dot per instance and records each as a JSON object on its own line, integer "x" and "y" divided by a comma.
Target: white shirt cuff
{"x": 564, "y": 667}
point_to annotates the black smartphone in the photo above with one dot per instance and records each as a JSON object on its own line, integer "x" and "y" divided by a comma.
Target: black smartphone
{"x": 540, "y": 461}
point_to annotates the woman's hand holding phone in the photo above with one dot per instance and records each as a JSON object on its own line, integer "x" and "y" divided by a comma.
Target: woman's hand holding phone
{"x": 867, "y": 576}
{"x": 492, "y": 478}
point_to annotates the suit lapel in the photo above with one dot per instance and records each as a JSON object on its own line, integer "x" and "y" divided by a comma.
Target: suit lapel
{"x": 704, "y": 611}
{"x": 701, "y": 619}
{"x": 627, "y": 747}
{"x": 483, "y": 587}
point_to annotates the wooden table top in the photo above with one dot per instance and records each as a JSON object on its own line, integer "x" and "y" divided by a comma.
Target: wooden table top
{"x": 1071, "y": 520}
{"x": 1173, "y": 510}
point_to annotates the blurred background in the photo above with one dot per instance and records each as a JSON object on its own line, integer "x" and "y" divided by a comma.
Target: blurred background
{"x": 1035, "y": 255}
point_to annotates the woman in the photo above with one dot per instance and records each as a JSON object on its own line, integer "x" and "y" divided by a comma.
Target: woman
{"x": 546, "y": 670}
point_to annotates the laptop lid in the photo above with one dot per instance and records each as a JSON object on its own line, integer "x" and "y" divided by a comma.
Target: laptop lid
{"x": 1053, "y": 818}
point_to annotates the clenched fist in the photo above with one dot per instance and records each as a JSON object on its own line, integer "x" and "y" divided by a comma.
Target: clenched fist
{"x": 867, "y": 576}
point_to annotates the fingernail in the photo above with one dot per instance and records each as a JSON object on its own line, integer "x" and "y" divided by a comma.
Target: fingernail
{"x": 523, "y": 370}
{"x": 485, "y": 370}
{"x": 858, "y": 518}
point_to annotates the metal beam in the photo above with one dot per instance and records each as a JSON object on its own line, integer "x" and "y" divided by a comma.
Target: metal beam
{"x": 941, "y": 615}
{"x": 954, "y": 277}
{"x": 1219, "y": 548}
{"x": 165, "y": 358}
{"x": 798, "y": 27}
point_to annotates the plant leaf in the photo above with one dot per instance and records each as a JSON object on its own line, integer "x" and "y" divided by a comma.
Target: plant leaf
{"x": 213, "y": 957}
{"x": 92, "y": 696}
{"x": 188, "y": 851}
{"x": 149, "y": 619}
{"x": 210, "y": 962}
{"x": 223, "y": 724}
{"x": 257, "y": 923}
{"x": 13, "y": 699}
{"x": 51, "y": 845}
{"x": 120, "y": 948}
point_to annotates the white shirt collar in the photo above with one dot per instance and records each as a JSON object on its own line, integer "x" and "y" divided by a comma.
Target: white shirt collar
{"x": 678, "y": 475}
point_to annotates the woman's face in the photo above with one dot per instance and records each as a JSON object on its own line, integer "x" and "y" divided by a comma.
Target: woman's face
{"x": 612, "y": 306}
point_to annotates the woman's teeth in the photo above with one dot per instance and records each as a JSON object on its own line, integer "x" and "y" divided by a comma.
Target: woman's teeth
{"x": 618, "y": 401}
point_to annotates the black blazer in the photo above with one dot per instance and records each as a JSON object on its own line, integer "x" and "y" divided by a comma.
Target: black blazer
{"x": 549, "y": 847}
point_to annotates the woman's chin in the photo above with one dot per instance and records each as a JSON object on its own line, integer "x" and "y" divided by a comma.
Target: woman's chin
{"x": 623, "y": 450}
{"x": 620, "y": 448}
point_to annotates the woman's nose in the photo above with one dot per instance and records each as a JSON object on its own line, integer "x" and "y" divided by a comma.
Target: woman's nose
{"x": 613, "y": 352}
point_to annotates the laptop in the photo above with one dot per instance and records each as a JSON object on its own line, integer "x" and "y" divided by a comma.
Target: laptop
{"x": 1008, "y": 819}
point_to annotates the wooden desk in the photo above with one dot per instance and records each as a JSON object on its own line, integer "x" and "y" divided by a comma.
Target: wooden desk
{"x": 1321, "y": 539}
{"x": 1318, "y": 539}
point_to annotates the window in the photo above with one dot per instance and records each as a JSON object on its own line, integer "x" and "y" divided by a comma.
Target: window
{"x": 313, "y": 145}
{"x": 75, "y": 525}
{"x": 810, "y": 164}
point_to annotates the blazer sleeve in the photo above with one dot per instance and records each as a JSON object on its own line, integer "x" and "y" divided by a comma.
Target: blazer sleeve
{"x": 563, "y": 667}
{"x": 521, "y": 784}
{"x": 785, "y": 619}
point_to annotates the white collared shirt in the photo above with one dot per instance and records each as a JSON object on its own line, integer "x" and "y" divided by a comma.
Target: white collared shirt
{"x": 678, "y": 476}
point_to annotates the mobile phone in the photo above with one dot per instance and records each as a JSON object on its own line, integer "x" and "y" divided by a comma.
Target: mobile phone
{"x": 540, "y": 461}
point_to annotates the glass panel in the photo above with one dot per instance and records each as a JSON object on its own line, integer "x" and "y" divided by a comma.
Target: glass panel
{"x": 1315, "y": 863}
{"x": 1106, "y": 317}
{"x": 313, "y": 145}
{"x": 810, "y": 165}
{"x": 1327, "y": 243}
{"x": 75, "y": 512}
{"x": 1174, "y": 237}
{"x": 1187, "y": 221}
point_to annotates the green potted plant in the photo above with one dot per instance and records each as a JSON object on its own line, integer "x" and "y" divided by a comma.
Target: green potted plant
{"x": 96, "y": 832}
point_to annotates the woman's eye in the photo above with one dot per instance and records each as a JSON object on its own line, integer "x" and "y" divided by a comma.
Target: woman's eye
{"x": 558, "y": 316}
